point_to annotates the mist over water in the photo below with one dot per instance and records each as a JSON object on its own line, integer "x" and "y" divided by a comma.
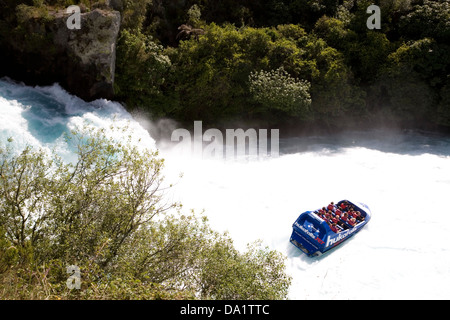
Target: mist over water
{"x": 404, "y": 177}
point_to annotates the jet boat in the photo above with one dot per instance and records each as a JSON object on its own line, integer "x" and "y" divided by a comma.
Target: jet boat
{"x": 316, "y": 232}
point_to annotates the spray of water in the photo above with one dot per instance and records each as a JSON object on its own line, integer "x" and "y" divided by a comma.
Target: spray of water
{"x": 403, "y": 176}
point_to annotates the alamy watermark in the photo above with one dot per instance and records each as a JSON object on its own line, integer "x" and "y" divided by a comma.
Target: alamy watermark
{"x": 74, "y": 21}
{"x": 74, "y": 280}
{"x": 237, "y": 143}
{"x": 374, "y": 21}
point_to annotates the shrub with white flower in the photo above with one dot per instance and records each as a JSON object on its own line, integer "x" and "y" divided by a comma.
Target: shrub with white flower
{"x": 277, "y": 89}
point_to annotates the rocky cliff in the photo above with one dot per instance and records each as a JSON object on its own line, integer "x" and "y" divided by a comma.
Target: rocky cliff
{"x": 41, "y": 50}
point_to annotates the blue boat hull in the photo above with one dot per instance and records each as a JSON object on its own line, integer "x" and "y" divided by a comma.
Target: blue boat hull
{"x": 313, "y": 235}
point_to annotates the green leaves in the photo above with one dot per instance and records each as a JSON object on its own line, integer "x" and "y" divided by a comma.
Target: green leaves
{"x": 107, "y": 213}
{"x": 278, "y": 90}
{"x": 22, "y": 198}
{"x": 257, "y": 273}
{"x": 141, "y": 69}
{"x": 260, "y": 73}
{"x": 430, "y": 18}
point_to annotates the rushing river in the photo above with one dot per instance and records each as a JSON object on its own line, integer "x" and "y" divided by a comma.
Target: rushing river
{"x": 404, "y": 177}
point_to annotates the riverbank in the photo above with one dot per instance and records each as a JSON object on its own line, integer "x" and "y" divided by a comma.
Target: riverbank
{"x": 323, "y": 74}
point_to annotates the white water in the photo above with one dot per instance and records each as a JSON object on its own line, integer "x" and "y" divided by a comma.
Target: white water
{"x": 403, "y": 253}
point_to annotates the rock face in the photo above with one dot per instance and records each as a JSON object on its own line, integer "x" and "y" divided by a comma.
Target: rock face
{"x": 92, "y": 53}
{"x": 44, "y": 50}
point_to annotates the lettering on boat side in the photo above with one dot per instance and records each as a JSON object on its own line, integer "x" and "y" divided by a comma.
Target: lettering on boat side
{"x": 310, "y": 234}
{"x": 340, "y": 236}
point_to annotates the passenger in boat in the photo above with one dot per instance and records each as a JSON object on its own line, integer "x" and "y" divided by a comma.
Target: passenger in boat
{"x": 331, "y": 206}
{"x": 343, "y": 206}
{"x": 321, "y": 215}
{"x": 333, "y": 215}
{"x": 349, "y": 206}
{"x": 334, "y": 228}
{"x": 334, "y": 219}
{"x": 344, "y": 217}
{"x": 343, "y": 225}
{"x": 354, "y": 214}
{"x": 337, "y": 219}
{"x": 359, "y": 216}
{"x": 352, "y": 221}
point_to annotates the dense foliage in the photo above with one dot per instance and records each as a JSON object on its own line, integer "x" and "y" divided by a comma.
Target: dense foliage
{"x": 351, "y": 75}
{"x": 277, "y": 89}
{"x": 106, "y": 213}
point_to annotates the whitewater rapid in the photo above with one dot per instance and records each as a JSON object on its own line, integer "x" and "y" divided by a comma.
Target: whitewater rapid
{"x": 403, "y": 253}
{"x": 404, "y": 177}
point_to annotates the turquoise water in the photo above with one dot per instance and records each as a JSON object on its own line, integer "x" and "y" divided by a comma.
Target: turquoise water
{"x": 40, "y": 116}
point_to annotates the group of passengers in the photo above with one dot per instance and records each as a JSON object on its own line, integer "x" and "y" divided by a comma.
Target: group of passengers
{"x": 340, "y": 217}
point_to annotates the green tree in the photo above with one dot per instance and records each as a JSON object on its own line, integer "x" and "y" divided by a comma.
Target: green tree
{"x": 277, "y": 90}
{"x": 428, "y": 19}
{"x": 106, "y": 212}
{"x": 333, "y": 31}
{"x": 426, "y": 57}
{"x": 253, "y": 275}
{"x": 211, "y": 74}
{"x": 334, "y": 90}
{"x": 134, "y": 14}
{"x": 8, "y": 253}
{"x": 142, "y": 69}
{"x": 443, "y": 109}
{"x": 409, "y": 80}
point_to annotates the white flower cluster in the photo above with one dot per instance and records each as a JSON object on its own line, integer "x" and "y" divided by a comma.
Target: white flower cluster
{"x": 277, "y": 89}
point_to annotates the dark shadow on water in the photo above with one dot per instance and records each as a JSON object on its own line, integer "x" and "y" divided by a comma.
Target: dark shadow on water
{"x": 405, "y": 142}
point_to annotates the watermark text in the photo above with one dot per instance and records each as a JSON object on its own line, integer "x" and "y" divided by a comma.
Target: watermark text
{"x": 237, "y": 143}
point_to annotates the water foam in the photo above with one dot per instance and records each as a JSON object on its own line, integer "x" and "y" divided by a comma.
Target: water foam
{"x": 405, "y": 179}
{"x": 40, "y": 116}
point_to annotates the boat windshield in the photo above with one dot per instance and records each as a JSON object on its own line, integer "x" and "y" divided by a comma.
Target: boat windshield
{"x": 313, "y": 226}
